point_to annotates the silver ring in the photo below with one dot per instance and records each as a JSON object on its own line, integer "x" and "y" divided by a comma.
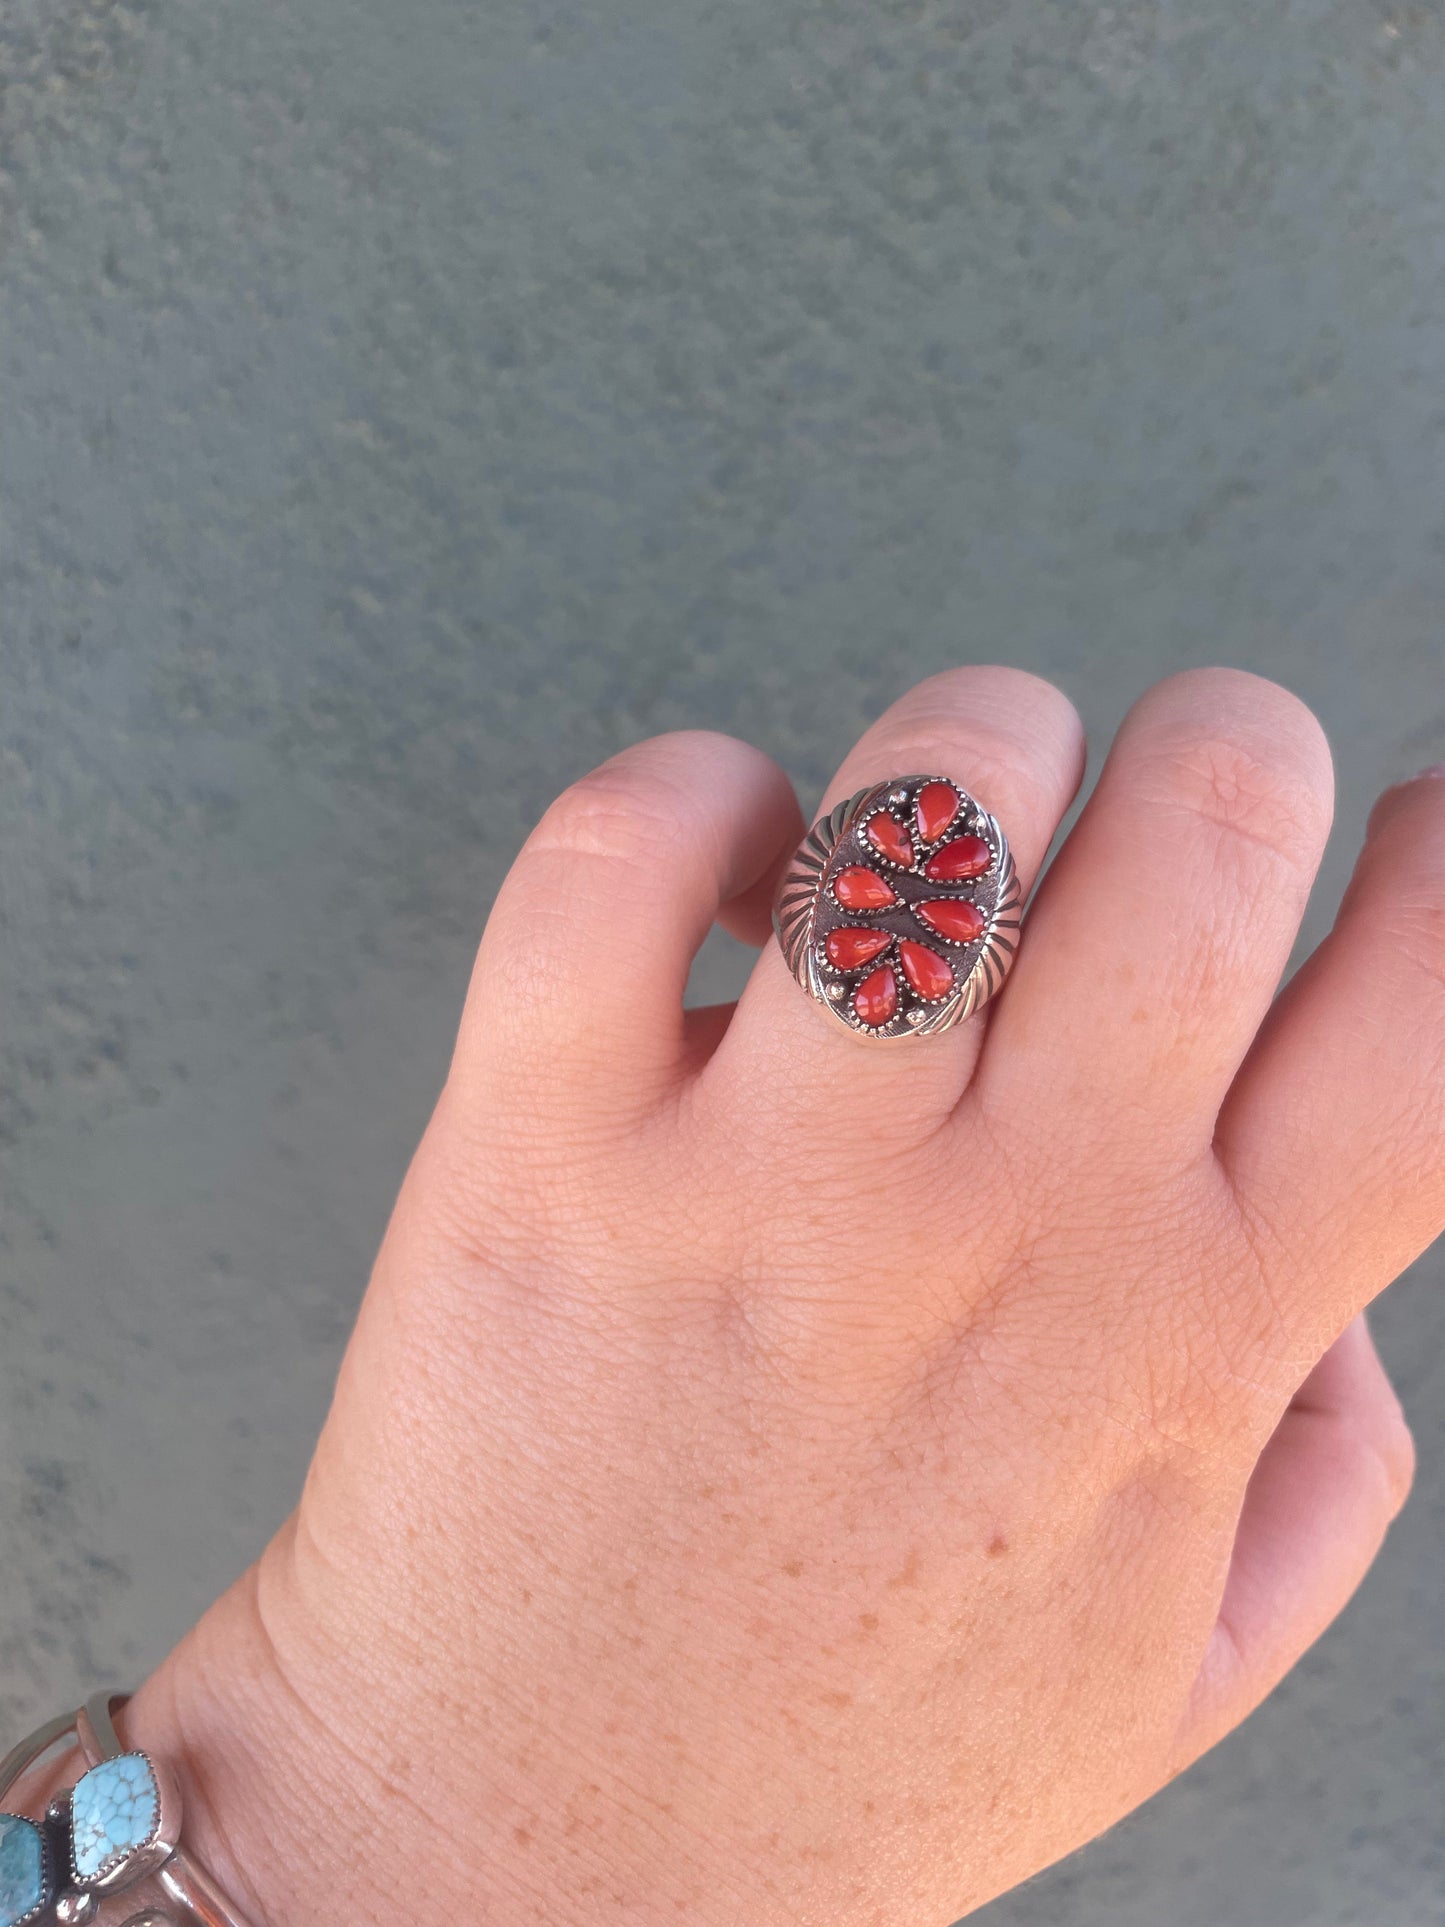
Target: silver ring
{"x": 899, "y": 914}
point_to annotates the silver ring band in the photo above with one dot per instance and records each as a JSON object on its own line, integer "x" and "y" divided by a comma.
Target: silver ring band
{"x": 899, "y": 914}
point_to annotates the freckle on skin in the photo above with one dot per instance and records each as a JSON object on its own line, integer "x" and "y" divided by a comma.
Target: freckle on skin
{"x": 521, "y": 1836}
{"x": 997, "y": 1546}
{"x": 794, "y": 1569}
{"x": 909, "y": 1574}
{"x": 868, "y": 1621}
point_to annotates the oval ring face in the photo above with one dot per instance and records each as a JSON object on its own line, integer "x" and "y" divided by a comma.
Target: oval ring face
{"x": 900, "y": 911}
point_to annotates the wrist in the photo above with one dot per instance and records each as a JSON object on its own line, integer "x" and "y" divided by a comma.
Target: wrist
{"x": 297, "y": 1820}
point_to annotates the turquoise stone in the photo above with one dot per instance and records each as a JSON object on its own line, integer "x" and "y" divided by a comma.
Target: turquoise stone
{"x": 114, "y": 1809}
{"x": 24, "y": 1872}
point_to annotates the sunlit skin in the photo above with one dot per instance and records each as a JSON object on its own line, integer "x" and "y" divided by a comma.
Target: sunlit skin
{"x": 778, "y": 1478}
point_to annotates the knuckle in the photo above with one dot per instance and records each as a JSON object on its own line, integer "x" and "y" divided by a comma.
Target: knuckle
{"x": 1234, "y": 700}
{"x": 1241, "y": 790}
{"x": 1399, "y": 1461}
{"x": 619, "y": 813}
{"x": 1419, "y": 801}
{"x": 1030, "y": 705}
{"x": 1415, "y": 929}
{"x": 1397, "y": 1455}
{"x": 1384, "y": 1435}
{"x": 989, "y": 760}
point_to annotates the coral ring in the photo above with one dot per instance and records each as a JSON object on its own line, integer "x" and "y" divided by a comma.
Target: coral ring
{"x": 899, "y": 913}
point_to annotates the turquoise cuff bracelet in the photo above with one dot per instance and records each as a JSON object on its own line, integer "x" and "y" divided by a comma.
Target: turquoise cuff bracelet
{"x": 108, "y": 1848}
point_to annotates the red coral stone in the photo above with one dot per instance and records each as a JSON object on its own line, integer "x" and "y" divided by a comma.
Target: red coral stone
{"x": 930, "y": 975}
{"x": 859, "y": 888}
{"x": 966, "y": 856}
{"x": 888, "y": 836}
{"x": 849, "y": 947}
{"x": 953, "y": 917}
{"x": 937, "y": 807}
{"x": 876, "y": 998}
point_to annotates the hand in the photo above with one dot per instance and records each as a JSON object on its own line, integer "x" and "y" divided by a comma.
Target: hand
{"x": 779, "y": 1479}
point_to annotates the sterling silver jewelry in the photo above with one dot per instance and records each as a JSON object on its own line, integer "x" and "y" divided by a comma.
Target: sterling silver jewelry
{"x": 115, "y": 1832}
{"x": 899, "y": 913}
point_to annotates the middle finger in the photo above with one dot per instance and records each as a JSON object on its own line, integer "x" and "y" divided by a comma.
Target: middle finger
{"x": 1163, "y": 928}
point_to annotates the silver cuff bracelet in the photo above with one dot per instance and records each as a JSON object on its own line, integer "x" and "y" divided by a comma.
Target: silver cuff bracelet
{"x": 113, "y": 1835}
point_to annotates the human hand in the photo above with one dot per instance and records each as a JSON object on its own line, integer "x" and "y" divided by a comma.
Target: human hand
{"x": 780, "y": 1479}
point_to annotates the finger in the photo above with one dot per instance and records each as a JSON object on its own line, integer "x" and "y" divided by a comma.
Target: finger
{"x": 578, "y": 984}
{"x": 1333, "y": 1476}
{"x": 1016, "y": 744}
{"x": 1167, "y": 919}
{"x": 1334, "y": 1133}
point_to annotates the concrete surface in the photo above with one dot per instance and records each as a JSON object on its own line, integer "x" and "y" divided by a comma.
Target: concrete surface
{"x": 405, "y": 404}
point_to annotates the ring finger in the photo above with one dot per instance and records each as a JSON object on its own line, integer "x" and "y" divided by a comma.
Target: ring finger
{"x": 1014, "y": 743}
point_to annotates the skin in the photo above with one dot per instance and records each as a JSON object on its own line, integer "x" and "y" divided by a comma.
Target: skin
{"x": 775, "y": 1479}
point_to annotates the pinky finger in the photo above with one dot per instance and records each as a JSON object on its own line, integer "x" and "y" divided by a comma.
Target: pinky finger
{"x": 1334, "y": 1131}
{"x": 1333, "y": 1476}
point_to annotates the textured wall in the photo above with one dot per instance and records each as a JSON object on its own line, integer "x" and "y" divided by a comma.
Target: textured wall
{"x": 406, "y": 402}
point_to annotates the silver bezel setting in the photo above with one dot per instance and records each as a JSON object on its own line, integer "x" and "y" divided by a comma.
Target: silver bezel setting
{"x": 125, "y": 1867}
{"x": 806, "y": 911}
{"x": 47, "y": 1869}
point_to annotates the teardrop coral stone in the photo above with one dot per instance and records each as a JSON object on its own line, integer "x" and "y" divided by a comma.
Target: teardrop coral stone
{"x": 876, "y": 998}
{"x": 890, "y": 839}
{"x": 953, "y": 917}
{"x": 966, "y": 856}
{"x": 860, "y": 888}
{"x": 930, "y": 975}
{"x": 937, "y": 807}
{"x": 848, "y": 948}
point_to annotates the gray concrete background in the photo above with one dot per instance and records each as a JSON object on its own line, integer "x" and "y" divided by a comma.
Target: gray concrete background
{"x": 404, "y": 405}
